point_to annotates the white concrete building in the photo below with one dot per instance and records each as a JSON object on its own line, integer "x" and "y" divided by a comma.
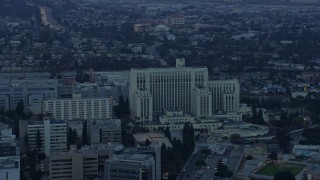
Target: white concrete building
{"x": 152, "y": 90}
{"x": 53, "y": 135}
{"x": 143, "y": 100}
{"x": 225, "y": 95}
{"x": 169, "y": 87}
{"x": 78, "y": 108}
{"x": 201, "y": 102}
{"x": 175, "y": 117}
{"x": 231, "y": 116}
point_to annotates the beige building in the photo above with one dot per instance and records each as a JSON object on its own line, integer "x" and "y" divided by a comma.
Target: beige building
{"x": 73, "y": 165}
{"x": 176, "y": 20}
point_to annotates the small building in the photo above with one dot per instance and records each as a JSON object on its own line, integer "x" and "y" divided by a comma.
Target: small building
{"x": 160, "y": 138}
{"x": 256, "y": 150}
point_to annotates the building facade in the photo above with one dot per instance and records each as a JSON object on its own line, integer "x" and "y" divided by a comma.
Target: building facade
{"x": 53, "y": 135}
{"x": 104, "y": 131}
{"x": 225, "y": 95}
{"x": 78, "y": 108}
{"x": 73, "y": 165}
{"x": 10, "y": 168}
{"x": 201, "y": 102}
{"x": 31, "y": 92}
{"x": 153, "y": 90}
{"x": 136, "y": 163}
{"x": 169, "y": 87}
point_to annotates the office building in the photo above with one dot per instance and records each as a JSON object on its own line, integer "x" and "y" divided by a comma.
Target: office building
{"x": 10, "y": 168}
{"x": 78, "y": 108}
{"x": 74, "y": 164}
{"x": 104, "y": 131}
{"x": 53, "y": 134}
{"x": 30, "y": 91}
{"x": 134, "y": 163}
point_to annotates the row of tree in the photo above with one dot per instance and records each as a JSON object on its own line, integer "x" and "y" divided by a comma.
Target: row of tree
{"x": 173, "y": 159}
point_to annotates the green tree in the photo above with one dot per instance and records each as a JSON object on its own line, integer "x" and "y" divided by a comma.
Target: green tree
{"x": 147, "y": 142}
{"x": 20, "y": 109}
{"x": 167, "y": 133}
{"x": 38, "y": 140}
{"x": 69, "y": 138}
{"x": 74, "y": 136}
{"x": 206, "y": 152}
{"x": 223, "y": 171}
{"x": 84, "y": 133}
{"x": 26, "y": 140}
{"x": 287, "y": 175}
{"x": 273, "y": 156}
{"x": 188, "y": 140}
{"x": 260, "y": 119}
{"x": 235, "y": 138}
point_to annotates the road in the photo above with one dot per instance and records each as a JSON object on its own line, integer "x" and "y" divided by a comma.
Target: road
{"x": 189, "y": 172}
{"x": 48, "y": 20}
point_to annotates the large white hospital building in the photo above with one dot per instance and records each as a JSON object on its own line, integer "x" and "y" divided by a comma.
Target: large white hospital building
{"x": 152, "y": 90}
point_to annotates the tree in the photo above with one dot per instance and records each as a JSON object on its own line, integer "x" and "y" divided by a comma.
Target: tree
{"x": 249, "y": 157}
{"x": 260, "y": 119}
{"x": 147, "y": 143}
{"x": 223, "y": 171}
{"x": 273, "y": 156}
{"x": 199, "y": 163}
{"x": 38, "y": 140}
{"x": 167, "y": 133}
{"x": 20, "y": 108}
{"x": 74, "y": 136}
{"x": 84, "y": 133}
{"x": 26, "y": 140}
{"x": 188, "y": 140}
{"x": 287, "y": 175}
{"x": 235, "y": 138}
{"x": 206, "y": 152}
{"x": 71, "y": 136}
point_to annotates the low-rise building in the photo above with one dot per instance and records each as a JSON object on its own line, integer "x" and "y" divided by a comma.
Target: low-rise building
{"x": 10, "y": 168}
{"x": 104, "y": 131}
{"x": 140, "y": 138}
{"x": 134, "y": 163}
{"x": 256, "y": 150}
{"x": 175, "y": 117}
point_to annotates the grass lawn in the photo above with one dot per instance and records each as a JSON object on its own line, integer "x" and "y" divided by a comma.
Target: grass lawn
{"x": 272, "y": 169}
